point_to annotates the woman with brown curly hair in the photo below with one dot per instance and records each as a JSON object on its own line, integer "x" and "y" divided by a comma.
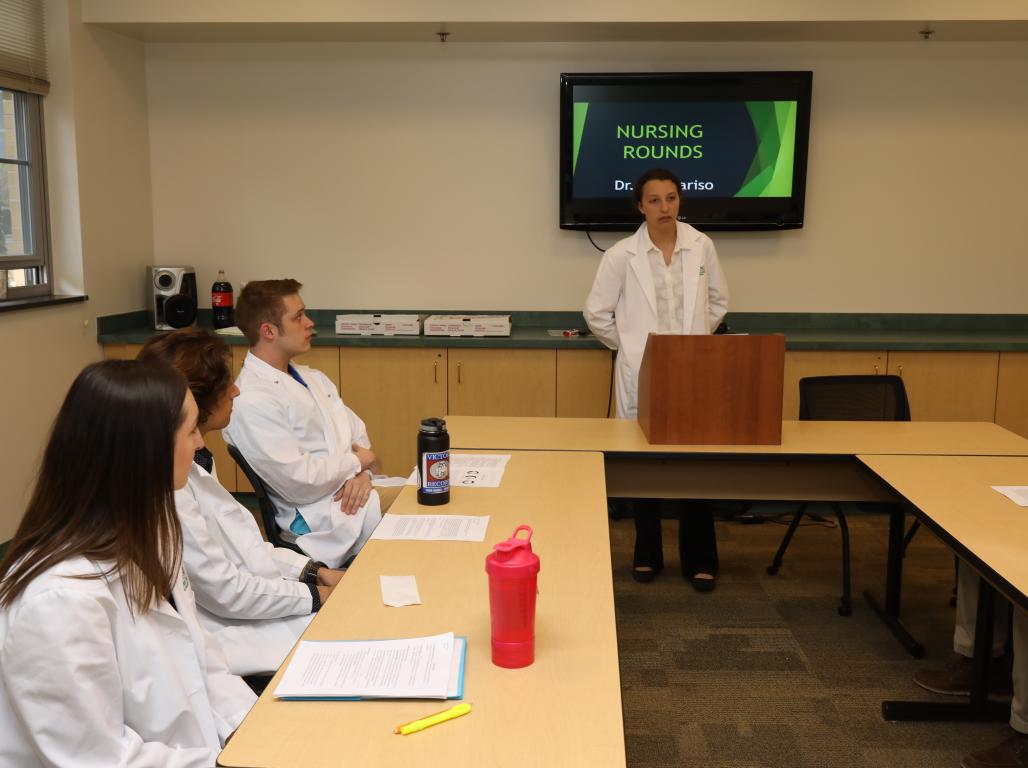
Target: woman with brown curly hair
{"x": 256, "y": 599}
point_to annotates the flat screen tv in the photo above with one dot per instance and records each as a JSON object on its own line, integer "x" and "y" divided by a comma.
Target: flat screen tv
{"x": 737, "y": 140}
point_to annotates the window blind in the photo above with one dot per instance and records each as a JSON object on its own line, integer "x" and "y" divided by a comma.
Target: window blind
{"x": 23, "y": 46}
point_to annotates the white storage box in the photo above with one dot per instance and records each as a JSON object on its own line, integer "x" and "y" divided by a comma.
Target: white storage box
{"x": 467, "y": 325}
{"x": 378, "y": 325}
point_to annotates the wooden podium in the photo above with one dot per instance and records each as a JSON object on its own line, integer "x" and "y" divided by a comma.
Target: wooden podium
{"x": 712, "y": 390}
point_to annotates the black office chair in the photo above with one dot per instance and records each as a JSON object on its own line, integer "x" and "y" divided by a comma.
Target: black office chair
{"x": 846, "y": 398}
{"x": 267, "y": 508}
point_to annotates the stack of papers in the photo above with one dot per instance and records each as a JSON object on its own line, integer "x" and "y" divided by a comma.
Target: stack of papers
{"x": 412, "y": 668}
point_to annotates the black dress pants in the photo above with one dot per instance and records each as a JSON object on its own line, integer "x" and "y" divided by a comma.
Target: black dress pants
{"x": 697, "y": 539}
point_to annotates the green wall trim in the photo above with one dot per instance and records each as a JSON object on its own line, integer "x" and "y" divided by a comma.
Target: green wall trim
{"x": 767, "y": 322}
{"x": 803, "y": 331}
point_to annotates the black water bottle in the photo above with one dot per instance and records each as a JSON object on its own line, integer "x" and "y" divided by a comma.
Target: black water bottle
{"x": 221, "y": 302}
{"x": 433, "y": 462}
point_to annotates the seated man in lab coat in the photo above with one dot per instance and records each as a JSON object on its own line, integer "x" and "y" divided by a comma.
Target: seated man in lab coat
{"x": 254, "y": 598}
{"x": 294, "y": 430}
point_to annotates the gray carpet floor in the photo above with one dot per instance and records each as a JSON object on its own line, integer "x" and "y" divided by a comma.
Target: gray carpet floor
{"x": 764, "y": 673}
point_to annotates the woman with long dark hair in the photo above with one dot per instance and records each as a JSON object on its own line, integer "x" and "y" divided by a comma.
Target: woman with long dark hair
{"x": 102, "y": 659}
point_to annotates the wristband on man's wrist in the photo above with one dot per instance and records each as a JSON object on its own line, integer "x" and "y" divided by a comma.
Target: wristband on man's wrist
{"x": 310, "y": 572}
{"x": 315, "y": 597}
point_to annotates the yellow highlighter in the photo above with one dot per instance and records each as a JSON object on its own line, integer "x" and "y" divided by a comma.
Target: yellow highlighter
{"x": 438, "y": 717}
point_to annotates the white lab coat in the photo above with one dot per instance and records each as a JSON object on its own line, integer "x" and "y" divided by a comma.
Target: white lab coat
{"x": 247, "y": 593}
{"x": 621, "y": 309}
{"x": 299, "y": 440}
{"x": 85, "y": 683}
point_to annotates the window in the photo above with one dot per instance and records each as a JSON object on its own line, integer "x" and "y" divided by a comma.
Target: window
{"x": 24, "y": 228}
{"x": 24, "y": 239}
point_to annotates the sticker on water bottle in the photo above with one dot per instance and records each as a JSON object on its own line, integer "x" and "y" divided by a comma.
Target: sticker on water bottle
{"x": 435, "y": 472}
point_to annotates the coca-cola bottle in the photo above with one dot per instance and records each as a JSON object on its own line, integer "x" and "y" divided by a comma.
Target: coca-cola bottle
{"x": 221, "y": 302}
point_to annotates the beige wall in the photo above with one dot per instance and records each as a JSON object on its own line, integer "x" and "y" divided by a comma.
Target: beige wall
{"x": 411, "y": 175}
{"x": 400, "y": 11}
{"x": 98, "y": 168}
{"x": 424, "y": 175}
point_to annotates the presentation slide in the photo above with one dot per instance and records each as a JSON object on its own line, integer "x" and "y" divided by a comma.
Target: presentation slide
{"x": 739, "y": 149}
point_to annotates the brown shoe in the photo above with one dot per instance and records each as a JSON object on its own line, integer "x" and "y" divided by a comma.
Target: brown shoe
{"x": 954, "y": 678}
{"x": 1012, "y": 752}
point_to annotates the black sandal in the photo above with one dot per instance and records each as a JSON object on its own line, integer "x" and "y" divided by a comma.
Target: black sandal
{"x": 644, "y": 574}
{"x": 703, "y": 584}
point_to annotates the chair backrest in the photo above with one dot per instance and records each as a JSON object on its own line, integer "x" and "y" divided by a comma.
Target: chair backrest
{"x": 853, "y": 398}
{"x": 267, "y": 508}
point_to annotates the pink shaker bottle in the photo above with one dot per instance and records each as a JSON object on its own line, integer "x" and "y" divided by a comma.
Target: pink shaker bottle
{"x": 512, "y": 569}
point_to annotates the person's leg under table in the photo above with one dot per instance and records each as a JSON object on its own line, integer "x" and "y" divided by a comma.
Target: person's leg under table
{"x": 1012, "y": 752}
{"x": 697, "y": 544}
{"x": 649, "y": 549}
{"x": 978, "y": 707}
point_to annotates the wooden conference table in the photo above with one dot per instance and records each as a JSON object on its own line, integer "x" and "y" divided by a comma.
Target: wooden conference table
{"x": 816, "y": 461}
{"x": 564, "y": 710}
{"x": 953, "y": 496}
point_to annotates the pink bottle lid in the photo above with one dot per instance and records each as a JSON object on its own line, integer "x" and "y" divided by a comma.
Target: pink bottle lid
{"x": 513, "y": 558}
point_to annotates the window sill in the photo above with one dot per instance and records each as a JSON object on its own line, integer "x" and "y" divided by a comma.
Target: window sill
{"x": 10, "y": 305}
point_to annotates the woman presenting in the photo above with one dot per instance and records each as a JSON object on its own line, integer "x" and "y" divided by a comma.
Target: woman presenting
{"x": 665, "y": 278}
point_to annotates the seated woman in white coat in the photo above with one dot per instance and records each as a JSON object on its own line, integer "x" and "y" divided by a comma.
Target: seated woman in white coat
{"x": 102, "y": 659}
{"x": 665, "y": 278}
{"x": 295, "y": 432}
{"x": 256, "y": 599}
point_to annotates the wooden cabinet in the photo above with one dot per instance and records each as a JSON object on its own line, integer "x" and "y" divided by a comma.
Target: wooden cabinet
{"x": 226, "y": 467}
{"x": 1012, "y": 392}
{"x": 802, "y": 363}
{"x": 584, "y": 382}
{"x": 325, "y": 359}
{"x": 502, "y": 382}
{"x": 948, "y": 386}
{"x": 392, "y": 390}
{"x": 121, "y": 351}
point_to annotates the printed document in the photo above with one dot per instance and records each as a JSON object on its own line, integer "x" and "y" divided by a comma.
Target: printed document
{"x": 477, "y": 470}
{"x": 410, "y": 668}
{"x": 431, "y": 527}
{"x": 472, "y": 470}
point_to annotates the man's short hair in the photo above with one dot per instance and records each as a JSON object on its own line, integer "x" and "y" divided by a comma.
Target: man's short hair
{"x": 654, "y": 174}
{"x": 260, "y": 302}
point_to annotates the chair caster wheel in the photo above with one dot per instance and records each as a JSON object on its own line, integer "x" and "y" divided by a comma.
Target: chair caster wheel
{"x": 845, "y": 610}
{"x": 772, "y": 570}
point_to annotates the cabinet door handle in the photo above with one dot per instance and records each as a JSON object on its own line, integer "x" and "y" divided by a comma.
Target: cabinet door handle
{"x": 899, "y": 370}
{"x": 458, "y": 373}
{"x": 876, "y": 369}
{"x": 435, "y": 372}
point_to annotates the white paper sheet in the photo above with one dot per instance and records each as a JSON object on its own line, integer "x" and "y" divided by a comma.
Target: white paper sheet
{"x": 417, "y": 667}
{"x": 1016, "y": 493}
{"x": 398, "y": 591}
{"x": 477, "y": 470}
{"x": 431, "y": 528}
